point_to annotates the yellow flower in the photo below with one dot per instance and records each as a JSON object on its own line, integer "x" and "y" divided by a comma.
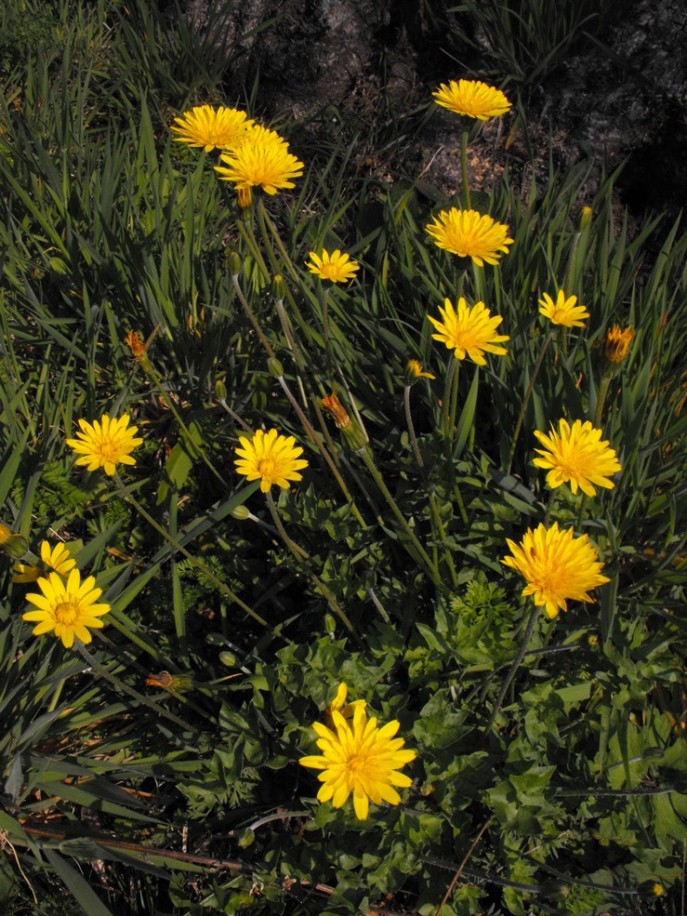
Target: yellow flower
{"x": 265, "y": 163}
{"x": 336, "y": 267}
{"x": 210, "y": 128}
{"x": 5, "y": 534}
{"x": 105, "y": 443}
{"x": 359, "y": 758}
{"x": 564, "y": 310}
{"x": 576, "y": 454}
{"x": 68, "y": 608}
{"x": 414, "y": 372}
{"x": 472, "y": 98}
{"x": 56, "y": 558}
{"x": 470, "y": 234}
{"x": 339, "y": 704}
{"x": 556, "y": 567}
{"x": 469, "y": 331}
{"x": 271, "y": 459}
{"x": 617, "y": 343}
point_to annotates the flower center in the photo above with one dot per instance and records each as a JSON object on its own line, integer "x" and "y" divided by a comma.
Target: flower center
{"x": 266, "y": 468}
{"x": 109, "y": 451}
{"x": 329, "y": 272}
{"x": 356, "y": 764}
{"x": 66, "y": 612}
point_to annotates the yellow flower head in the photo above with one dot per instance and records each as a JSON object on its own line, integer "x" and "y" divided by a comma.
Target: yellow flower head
{"x": 414, "y": 372}
{"x": 105, "y": 443}
{"x": 470, "y": 234}
{"x": 55, "y": 558}
{"x": 67, "y": 608}
{"x": 339, "y": 704}
{"x": 359, "y": 758}
{"x": 469, "y": 331}
{"x": 271, "y": 459}
{"x": 577, "y": 455}
{"x": 210, "y": 128}
{"x": 265, "y": 163}
{"x": 472, "y": 98}
{"x": 556, "y": 567}
{"x": 564, "y": 310}
{"x": 336, "y": 267}
{"x": 617, "y": 343}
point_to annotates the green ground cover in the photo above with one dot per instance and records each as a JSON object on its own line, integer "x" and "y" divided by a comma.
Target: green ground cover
{"x": 156, "y": 768}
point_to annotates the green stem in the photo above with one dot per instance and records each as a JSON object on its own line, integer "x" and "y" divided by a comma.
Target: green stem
{"x": 102, "y": 671}
{"x": 245, "y": 227}
{"x": 251, "y": 316}
{"x": 522, "y": 652}
{"x": 601, "y": 399}
{"x": 528, "y": 395}
{"x": 464, "y": 169}
{"x": 300, "y": 556}
{"x": 445, "y": 421}
{"x": 199, "y": 565}
{"x": 366, "y": 455}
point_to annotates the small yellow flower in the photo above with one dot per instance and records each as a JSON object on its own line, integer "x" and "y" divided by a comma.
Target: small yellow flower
{"x": 577, "y": 455}
{"x": 271, "y": 459}
{"x": 470, "y": 234}
{"x": 469, "y": 331}
{"x": 265, "y": 163}
{"x": 105, "y": 443}
{"x": 617, "y": 343}
{"x": 359, "y": 758}
{"x": 414, "y": 372}
{"x": 67, "y": 608}
{"x": 5, "y": 534}
{"x": 211, "y": 128}
{"x": 556, "y": 566}
{"x": 55, "y": 558}
{"x": 339, "y": 704}
{"x": 336, "y": 267}
{"x": 472, "y": 98}
{"x": 564, "y": 310}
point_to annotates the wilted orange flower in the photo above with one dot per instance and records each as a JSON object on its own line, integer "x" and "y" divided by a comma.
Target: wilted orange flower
{"x": 336, "y": 410}
{"x": 135, "y": 343}
{"x": 617, "y": 343}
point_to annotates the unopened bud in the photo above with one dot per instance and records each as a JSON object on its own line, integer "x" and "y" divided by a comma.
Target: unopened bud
{"x": 235, "y": 264}
{"x": 274, "y": 367}
{"x": 414, "y": 372}
{"x": 585, "y": 217}
{"x": 244, "y": 197}
{"x": 278, "y": 287}
{"x": 241, "y": 513}
{"x": 220, "y": 390}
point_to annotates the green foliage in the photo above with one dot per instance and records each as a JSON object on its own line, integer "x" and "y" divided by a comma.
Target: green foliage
{"x": 161, "y": 772}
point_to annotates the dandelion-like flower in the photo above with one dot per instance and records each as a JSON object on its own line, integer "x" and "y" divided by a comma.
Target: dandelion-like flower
{"x": 211, "y": 128}
{"x": 470, "y": 234}
{"x": 617, "y": 343}
{"x": 556, "y": 566}
{"x": 337, "y": 267}
{"x": 577, "y": 455}
{"x": 67, "y": 608}
{"x": 414, "y": 371}
{"x": 105, "y": 443}
{"x": 359, "y": 758}
{"x": 469, "y": 331}
{"x": 564, "y": 310}
{"x": 271, "y": 459}
{"x": 472, "y": 98}
{"x": 55, "y": 558}
{"x": 265, "y": 163}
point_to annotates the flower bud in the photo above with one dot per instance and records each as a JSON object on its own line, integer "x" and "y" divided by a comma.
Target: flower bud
{"x": 617, "y": 344}
{"x": 274, "y": 367}
{"x": 241, "y": 513}
{"x": 585, "y": 217}
{"x": 220, "y": 390}
{"x": 278, "y": 287}
{"x": 244, "y": 197}
{"x": 414, "y": 372}
{"x": 235, "y": 264}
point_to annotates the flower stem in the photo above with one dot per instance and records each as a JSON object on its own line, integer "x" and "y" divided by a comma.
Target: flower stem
{"x": 199, "y": 565}
{"x": 119, "y": 685}
{"x": 601, "y": 399}
{"x": 528, "y": 395}
{"x": 464, "y": 169}
{"x": 430, "y": 567}
{"x": 522, "y": 652}
{"x": 300, "y": 556}
{"x": 251, "y": 316}
{"x": 447, "y": 421}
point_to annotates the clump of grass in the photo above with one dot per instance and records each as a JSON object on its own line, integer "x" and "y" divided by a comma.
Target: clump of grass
{"x": 361, "y": 543}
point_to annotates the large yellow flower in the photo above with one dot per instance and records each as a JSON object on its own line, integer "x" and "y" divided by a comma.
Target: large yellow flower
{"x": 556, "y": 566}
{"x": 564, "y": 310}
{"x": 211, "y": 128}
{"x": 337, "y": 267}
{"x": 271, "y": 459}
{"x": 472, "y": 98}
{"x": 577, "y": 455}
{"x": 469, "y": 331}
{"x": 56, "y": 558}
{"x": 359, "y": 758}
{"x": 470, "y": 234}
{"x": 68, "y": 608}
{"x": 265, "y": 163}
{"x": 105, "y": 443}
